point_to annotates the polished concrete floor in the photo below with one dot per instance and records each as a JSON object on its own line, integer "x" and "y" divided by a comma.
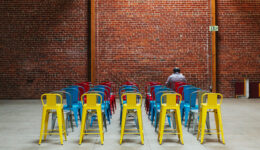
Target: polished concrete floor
{"x": 20, "y": 129}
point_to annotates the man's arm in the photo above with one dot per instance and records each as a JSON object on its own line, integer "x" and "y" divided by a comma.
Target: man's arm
{"x": 167, "y": 83}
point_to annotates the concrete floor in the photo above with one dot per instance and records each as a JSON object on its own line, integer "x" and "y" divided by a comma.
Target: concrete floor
{"x": 20, "y": 129}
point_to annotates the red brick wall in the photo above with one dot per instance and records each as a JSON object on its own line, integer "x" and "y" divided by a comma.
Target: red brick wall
{"x": 43, "y": 46}
{"x": 238, "y": 43}
{"x": 142, "y": 40}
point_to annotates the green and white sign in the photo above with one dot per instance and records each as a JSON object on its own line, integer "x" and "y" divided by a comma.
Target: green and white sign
{"x": 213, "y": 28}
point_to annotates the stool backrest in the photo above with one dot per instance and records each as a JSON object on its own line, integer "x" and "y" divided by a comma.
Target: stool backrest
{"x": 189, "y": 97}
{"x": 212, "y": 98}
{"x": 51, "y": 99}
{"x": 170, "y": 98}
{"x": 74, "y": 92}
{"x": 65, "y": 95}
{"x": 178, "y": 84}
{"x": 154, "y": 89}
{"x": 159, "y": 93}
{"x": 92, "y": 99}
{"x": 132, "y": 98}
{"x": 186, "y": 93}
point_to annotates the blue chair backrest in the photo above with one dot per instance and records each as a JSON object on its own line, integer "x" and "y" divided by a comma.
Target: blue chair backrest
{"x": 104, "y": 86}
{"x": 128, "y": 89}
{"x": 187, "y": 93}
{"x": 159, "y": 93}
{"x": 156, "y": 89}
{"x": 193, "y": 98}
{"x": 74, "y": 93}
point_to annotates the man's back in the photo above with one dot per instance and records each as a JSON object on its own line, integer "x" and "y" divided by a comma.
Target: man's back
{"x": 175, "y": 77}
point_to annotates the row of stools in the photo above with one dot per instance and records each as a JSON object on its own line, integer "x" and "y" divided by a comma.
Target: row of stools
{"x": 83, "y": 101}
{"x": 161, "y": 104}
{"x": 182, "y": 104}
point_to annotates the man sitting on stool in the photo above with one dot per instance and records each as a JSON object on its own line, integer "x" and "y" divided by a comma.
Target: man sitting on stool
{"x": 175, "y": 77}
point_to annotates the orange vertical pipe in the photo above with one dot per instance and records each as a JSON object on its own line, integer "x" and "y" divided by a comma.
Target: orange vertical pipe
{"x": 93, "y": 42}
{"x": 213, "y": 39}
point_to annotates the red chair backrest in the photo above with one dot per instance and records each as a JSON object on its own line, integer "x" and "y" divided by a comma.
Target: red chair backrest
{"x": 177, "y": 85}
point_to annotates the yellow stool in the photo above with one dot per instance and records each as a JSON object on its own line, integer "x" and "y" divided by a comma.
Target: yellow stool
{"x": 214, "y": 106}
{"x": 52, "y": 104}
{"x": 91, "y": 107}
{"x": 131, "y": 104}
{"x": 166, "y": 107}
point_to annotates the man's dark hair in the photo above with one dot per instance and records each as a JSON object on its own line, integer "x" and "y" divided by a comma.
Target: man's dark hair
{"x": 176, "y": 69}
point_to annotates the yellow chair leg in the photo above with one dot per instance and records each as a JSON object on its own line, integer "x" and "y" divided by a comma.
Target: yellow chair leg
{"x": 199, "y": 126}
{"x": 59, "y": 116}
{"x": 217, "y": 123}
{"x": 64, "y": 127}
{"x": 221, "y": 125}
{"x": 203, "y": 123}
{"x": 83, "y": 122}
{"x": 179, "y": 125}
{"x": 139, "y": 115}
{"x": 42, "y": 125}
{"x": 100, "y": 124}
{"x": 46, "y": 123}
{"x": 161, "y": 130}
{"x": 123, "y": 124}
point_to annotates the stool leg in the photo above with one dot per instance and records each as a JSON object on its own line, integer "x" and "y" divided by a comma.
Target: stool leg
{"x": 42, "y": 124}
{"x": 46, "y": 123}
{"x": 157, "y": 118}
{"x": 71, "y": 124}
{"x": 169, "y": 120}
{"x": 80, "y": 112}
{"x": 60, "y": 124}
{"x": 221, "y": 125}
{"x": 114, "y": 101}
{"x": 217, "y": 123}
{"x": 207, "y": 122}
{"x": 189, "y": 121}
{"x": 173, "y": 120}
{"x": 105, "y": 121}
{"x": 199, "y": 126}
{"x": 53, "y": 120}
{"x": 100, "y": 125}
{"x": 177, "y": 123}
{"x": 64, "y": 126}
{"x": 159, "y": 133}
{"x": 203, "y": 124}
{"x": 195, "y": 122}
{"x": 67, "y": 122}
{"x": 162, "y": 124}
{"x": 140, "y": 121}
{"x": 83, "y": 122}
{"x": 187, "y": 111}
{"x": 75, "y": 112}
{"x": 123, "y": 124}
{"x": 179, "y": 127}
